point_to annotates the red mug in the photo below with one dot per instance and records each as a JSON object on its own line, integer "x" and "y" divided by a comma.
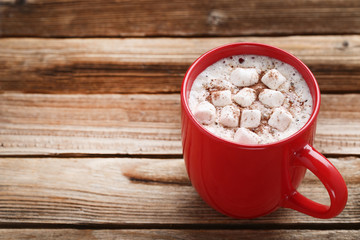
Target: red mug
{"x": 249, "y": 181}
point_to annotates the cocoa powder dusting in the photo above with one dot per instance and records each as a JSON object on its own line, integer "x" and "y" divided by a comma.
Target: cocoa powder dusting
{"x": 215, "y": 95}
{"x": 258, "y": 87}
{"x": 273, "y": 75}
{"x": 261, "y": 75}
{"x": 208, "y": 98}
{"x": 264, "y": 118}
{"x": 235, "y": 113}
{"x": 291, "y": 102}
{"x": 215, "y": 85}
{"x": 259, "y": 129}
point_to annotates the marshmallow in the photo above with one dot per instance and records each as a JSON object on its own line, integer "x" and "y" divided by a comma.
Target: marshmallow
{"x": 284, "y": 87}
{"x": 273, "y": 79}
{"x": 229, "y": 116}
{"x": 242, "y": 77}
{"x": 250, "y": 118}
{"x": 221, "y": 98}
{"x": 280, "y": 119}
{"x": 218, "y": 84}
{"x": 205, "y": 113}
{"x": 271, "y": 98}
{"x": 245, "y": 97}
{"x": 245, "y": 136}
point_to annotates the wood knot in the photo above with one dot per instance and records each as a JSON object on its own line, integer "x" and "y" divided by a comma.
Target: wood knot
{"x": 343, "y": 45}
{"x": 216, "y": 18}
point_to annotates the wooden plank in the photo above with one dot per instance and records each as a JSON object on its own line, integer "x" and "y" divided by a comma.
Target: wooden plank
{"x": 155, "y": 65}
{"x": 72, "y": 234}
{"x": 174, "y": 171}
{"x": 125, "y": 124}
{"x": 136, "y": 124}
{"x": 83, "y": 191}
{"x": 69, "y": 18}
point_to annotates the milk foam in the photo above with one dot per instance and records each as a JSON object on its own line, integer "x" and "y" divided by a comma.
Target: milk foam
{"x": 217, "y": 77}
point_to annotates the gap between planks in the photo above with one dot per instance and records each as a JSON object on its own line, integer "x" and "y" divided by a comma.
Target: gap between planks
{"x": 206, "y": 227}
{"x": 148, "y": 156}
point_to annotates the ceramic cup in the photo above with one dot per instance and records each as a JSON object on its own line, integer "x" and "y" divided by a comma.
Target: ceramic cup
{"x": 248, "y": 181}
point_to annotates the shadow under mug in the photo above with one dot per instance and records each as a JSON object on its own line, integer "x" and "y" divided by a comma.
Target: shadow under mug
{"x": 248, "y": 181}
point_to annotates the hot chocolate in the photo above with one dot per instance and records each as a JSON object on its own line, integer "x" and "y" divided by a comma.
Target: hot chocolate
{"x": 251, "y": 99}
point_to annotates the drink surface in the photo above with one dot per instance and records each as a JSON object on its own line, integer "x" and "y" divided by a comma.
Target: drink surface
{"x": 251, "y": 99}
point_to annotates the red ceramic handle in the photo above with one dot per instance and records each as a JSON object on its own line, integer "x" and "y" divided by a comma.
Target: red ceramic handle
{"x": 329, "y": 176}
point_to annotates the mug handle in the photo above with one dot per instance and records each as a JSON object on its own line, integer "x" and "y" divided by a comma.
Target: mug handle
{"x": 334, "y": 183}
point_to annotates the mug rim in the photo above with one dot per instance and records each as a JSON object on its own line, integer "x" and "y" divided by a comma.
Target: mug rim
{"x": 308, "y": 124}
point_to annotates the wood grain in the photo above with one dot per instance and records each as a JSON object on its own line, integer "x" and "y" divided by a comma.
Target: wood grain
{"x": 158, "y": 171}
{"x": 69, "y": 18}
{"x": 136, "y": 124}
{"x": 124, "y": 124}
{"x": 174, "y": 171}
{"x": 85, "y": 191}
{"x": 162, "y": 234}
{"x": 155, "y": 65}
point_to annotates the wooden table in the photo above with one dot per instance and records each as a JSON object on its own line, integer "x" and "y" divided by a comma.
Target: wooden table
{"x": 89, "y": 114}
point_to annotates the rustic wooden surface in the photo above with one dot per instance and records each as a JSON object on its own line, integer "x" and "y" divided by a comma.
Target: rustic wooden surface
{"x": 155, "y": 65}
{"x": 33, "y": 124}
{"x": 78, "y": 18}
{"x": 191, "y": 234}
{"x": 113, "y": 191}
{"x": 90, "y": 114}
